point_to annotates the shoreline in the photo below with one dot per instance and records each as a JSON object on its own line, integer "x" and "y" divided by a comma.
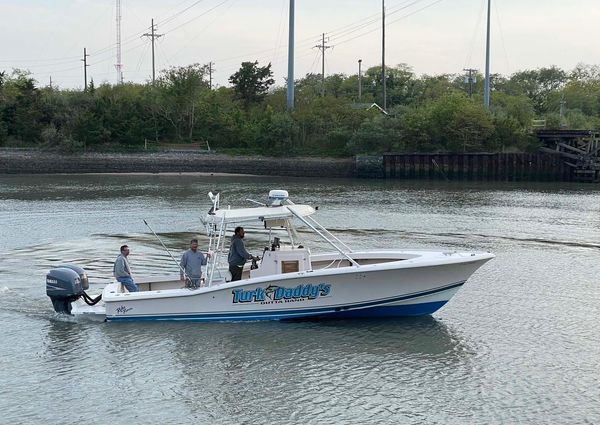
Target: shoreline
{"x": 39, "y": 162}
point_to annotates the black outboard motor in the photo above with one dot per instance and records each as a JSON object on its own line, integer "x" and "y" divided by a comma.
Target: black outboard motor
{"x": 65, "y": 284}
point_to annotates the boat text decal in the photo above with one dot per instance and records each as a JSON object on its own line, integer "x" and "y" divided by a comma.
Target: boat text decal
{"x": 273, "y": 294}
{"x": 123, "y": 310}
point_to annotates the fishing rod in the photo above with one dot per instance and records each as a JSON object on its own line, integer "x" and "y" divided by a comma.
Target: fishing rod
{"x": 169, "y": 252}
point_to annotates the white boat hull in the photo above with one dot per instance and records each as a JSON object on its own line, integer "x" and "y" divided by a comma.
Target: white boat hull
{"x": 409, "y": 287}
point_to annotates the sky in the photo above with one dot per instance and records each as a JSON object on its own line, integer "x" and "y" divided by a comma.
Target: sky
{"x": 47, "y": 37}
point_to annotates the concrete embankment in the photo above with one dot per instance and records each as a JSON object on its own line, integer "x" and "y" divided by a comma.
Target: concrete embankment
{"x": 38, "y": 162}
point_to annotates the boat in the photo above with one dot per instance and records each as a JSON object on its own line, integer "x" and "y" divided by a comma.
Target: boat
{"x": 288, "y": 282}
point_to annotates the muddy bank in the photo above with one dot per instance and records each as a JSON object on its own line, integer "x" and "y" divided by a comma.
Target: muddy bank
{"x": 38, "y": 162}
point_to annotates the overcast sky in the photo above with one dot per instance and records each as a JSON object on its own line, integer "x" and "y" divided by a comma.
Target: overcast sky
{"x": 433, "y": 36}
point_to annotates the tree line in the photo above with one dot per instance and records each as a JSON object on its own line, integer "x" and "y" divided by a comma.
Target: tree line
{"x": 425, "y": 113}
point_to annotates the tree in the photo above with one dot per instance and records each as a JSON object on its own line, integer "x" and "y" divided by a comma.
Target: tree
{"x": 178, "y": 91}
{"x": 538, "y": 85}
{"x": 451, "y": 123}
{"x": 21, "y": 107}
{"x": 251, "y": 83}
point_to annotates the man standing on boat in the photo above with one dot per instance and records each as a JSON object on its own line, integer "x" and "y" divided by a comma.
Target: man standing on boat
{"x": 238, "y": 254}
{"x": 122, "y": 271}
{"x": 192, "y": 261}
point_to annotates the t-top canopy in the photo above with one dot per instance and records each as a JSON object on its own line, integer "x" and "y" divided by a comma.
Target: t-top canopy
{"x": 258, "y": 213}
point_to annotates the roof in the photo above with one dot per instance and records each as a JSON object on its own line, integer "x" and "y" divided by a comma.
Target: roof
{"x": 258, "y": 213}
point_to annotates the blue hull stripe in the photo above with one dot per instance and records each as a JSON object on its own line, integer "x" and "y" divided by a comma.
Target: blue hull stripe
{"x": 374, "y": 308}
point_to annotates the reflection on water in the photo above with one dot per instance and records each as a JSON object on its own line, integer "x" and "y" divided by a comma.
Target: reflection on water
{"x": 517, "y": 344}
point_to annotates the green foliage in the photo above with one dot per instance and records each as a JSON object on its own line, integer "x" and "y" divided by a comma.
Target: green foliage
{"x": 538, "y": 85}
{"x": 375, "y": 135}
{"x": 276, "y": 133}
{"x": 425, "y": 113}
{"x": 177, "y": 95}
{"x": 252, "y": 82}
{"x": 451, "y": 123}
{"x": 21, "y": 107}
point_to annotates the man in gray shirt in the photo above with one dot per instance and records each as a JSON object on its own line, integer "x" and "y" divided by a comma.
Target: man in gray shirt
{"x": 192, "y": 261}
{"x": 122, "y": 271}
{"x": 238, "y": 254}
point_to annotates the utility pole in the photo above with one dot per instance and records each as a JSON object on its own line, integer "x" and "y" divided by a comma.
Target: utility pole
{"x": 486, "y": 87}
{"x": 210, "y": 70}
{"x": 383, "y": 77}
{"x": 153, "y": 36}
{"x": 290, "y": 77}
{"x": 322, "y": 47}
{"x": 563, "y": 103}
{"x": 51, "y": 81}
{"x": 85, "y": 66}
{"x": 470, "y": 80}
{"x": 360, "y": 80}
{"x": 119, "y": 64}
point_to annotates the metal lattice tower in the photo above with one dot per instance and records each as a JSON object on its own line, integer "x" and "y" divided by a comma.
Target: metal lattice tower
{"x": 119, "y": 64}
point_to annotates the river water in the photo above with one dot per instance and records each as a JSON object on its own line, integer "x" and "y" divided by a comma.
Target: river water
{"x": 519, "y": 343}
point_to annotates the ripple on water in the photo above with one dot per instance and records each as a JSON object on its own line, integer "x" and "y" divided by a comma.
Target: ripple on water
{"x": 518, "y": 344}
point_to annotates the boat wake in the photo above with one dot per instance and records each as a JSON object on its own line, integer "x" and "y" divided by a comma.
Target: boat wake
{"x": 468, "y": 236}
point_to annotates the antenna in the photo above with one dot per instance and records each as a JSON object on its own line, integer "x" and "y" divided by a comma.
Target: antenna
{"x": 119, "y": 64}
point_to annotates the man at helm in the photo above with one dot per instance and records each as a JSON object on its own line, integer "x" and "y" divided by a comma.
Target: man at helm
{"x": 238, "y": 254}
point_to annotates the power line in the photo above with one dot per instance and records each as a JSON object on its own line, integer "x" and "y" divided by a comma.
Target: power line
{"x": 180, "y": 12}
{"x": 199, "y": 16}
{"x": 392, "y": 22}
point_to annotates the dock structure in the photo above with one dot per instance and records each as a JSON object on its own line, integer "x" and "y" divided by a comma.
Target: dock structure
{"x": 578, "y": 149}
{"x": 476, "y": 166}
{"x": 565, "y": 155}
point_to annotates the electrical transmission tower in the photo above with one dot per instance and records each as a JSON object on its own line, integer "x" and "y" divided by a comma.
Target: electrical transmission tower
{"x": 323, "y": 47}
{"x": 119, "y": 64}
{"x": 210, "y": 73}
{"x": 153, "y": 36}
{"x": 470, "y": 80}
{"x": 85, "y": 67}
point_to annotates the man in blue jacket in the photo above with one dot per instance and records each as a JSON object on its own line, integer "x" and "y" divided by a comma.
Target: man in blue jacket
{"x": 238, "y": 254}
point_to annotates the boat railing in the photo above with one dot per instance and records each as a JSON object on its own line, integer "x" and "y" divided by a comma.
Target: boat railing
{"x": 317, "y": 231}
{"x": 329, "y": 233}
{"x": 324, "y": 229}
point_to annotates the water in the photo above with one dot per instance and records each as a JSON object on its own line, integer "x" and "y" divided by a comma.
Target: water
{"x": 518, "y": 344}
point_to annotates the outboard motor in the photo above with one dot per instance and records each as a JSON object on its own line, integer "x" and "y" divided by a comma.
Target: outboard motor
{"x": 65, "y": 284}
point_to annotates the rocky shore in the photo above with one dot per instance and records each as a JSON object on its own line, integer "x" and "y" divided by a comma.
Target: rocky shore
{"x": 40, "y": 162}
